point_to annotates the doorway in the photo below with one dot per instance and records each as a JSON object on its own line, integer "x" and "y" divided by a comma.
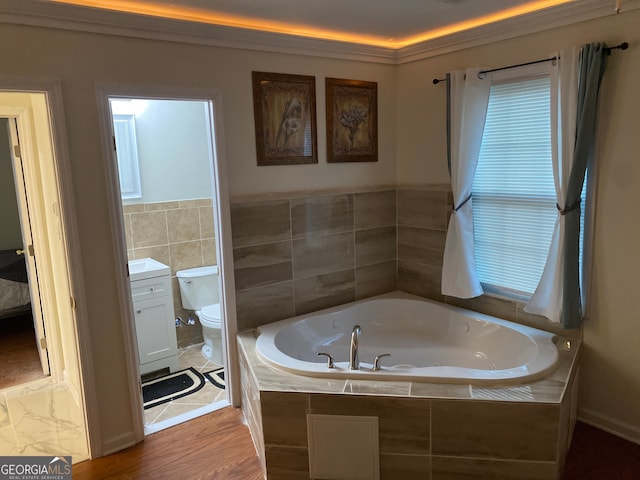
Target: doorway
{"x": 23, "y": 353}
{"x": 168, "y": 202}
{"x": 55, "y": 400}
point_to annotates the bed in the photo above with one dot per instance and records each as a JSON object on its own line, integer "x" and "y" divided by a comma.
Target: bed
{"x": 15, "y": 298}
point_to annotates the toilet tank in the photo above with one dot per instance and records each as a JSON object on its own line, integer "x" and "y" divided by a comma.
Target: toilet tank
{"x": 198, "y": 287}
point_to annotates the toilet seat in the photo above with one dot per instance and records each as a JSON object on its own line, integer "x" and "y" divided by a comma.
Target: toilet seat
{"x": 210, "y": 316}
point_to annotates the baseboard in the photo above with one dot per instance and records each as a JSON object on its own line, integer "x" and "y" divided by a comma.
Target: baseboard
{"x": 610, "y": 425}
{"x": 120, "y": 442}
{"x": 72, "y": 388}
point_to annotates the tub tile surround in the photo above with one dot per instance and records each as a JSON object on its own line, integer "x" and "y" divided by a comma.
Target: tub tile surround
{"x": 315, "y": 293}
{"x": 179, "y": 234}
{"x": 317, "y": 250}
{"x": 261, "y": 265}
{"x": 322, "y": 215}
{"x": 372, "y": 280}
{"x": 437, "y": 431}
{"x": 302, "y": 252}
{"x": 305, "y": 253}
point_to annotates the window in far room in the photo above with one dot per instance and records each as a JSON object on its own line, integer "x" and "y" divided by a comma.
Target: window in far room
{"x": 124, "y": 129}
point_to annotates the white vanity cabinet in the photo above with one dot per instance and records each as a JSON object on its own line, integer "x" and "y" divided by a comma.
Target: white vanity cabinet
{"x": 155, "y": 327}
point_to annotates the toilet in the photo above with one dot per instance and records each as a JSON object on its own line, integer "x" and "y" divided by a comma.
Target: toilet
{"x": 199, "y": 292}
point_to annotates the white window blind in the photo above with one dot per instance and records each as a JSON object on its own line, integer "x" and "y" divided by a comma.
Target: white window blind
{"x": 514, "y": 201}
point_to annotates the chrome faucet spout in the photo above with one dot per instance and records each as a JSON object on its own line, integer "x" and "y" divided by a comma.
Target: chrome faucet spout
{"x": 354, "y": 363}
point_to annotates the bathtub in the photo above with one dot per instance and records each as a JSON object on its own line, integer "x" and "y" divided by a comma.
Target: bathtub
{"x": 426, "y": 341}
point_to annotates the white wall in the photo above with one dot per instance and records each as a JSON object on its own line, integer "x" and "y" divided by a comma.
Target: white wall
{"x": 82, "y": 61}
{"x": 610, "y": 372}
{"x": 173, "y": 151}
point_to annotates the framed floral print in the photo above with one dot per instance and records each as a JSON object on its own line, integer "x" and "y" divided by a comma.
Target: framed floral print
{"x": 352, "y": 120}
{"x": 284, "y": 108}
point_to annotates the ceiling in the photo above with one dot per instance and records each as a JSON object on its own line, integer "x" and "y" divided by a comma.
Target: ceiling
{"x": 379, "y": 31}
{"x": 385, "y": 23}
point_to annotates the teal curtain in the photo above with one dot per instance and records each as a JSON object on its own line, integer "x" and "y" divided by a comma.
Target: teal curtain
{"x": 592, "y": 63}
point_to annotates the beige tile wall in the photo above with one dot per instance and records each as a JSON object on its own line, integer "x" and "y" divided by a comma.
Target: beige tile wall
{"x": 179, "y": 234}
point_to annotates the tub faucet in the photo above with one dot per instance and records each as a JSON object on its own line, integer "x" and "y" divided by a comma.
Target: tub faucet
{"x": 354, "y": 363}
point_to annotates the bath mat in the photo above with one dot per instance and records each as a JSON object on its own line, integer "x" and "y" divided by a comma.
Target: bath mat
{"x": 175, "y": 385}
{"x": 216, "y": 377}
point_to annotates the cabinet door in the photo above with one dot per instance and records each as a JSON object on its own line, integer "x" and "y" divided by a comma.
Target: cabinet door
{"x": 155, "y": 329}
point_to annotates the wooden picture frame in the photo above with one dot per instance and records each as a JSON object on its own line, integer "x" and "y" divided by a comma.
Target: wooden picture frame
{"x": 284, "y": 108}
{"x": 352, "y": 120}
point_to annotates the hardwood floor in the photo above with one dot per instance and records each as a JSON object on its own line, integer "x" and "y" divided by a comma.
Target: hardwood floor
{"x": 214, "y": 446}
{"x": 598, "y": 455}
{"x": 19, "y": 358}
{"x": 219, "y": 446}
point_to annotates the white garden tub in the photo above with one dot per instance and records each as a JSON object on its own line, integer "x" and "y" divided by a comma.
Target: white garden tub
{"x": 427, "y": 341}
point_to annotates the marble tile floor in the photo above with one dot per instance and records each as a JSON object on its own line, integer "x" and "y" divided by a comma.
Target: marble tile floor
{"x": 205, "y": 400}
{"x": 42, "y": 418}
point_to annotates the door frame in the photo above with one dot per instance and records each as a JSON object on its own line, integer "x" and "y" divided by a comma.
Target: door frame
{"x": 222, "y": 229}
{"x": 21, "y": 135}
{"x": 52, "y": 90}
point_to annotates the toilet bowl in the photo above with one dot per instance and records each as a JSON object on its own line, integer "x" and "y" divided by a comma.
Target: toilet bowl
{"x": 199, "y": 293}
{"x": 211, "y": 323}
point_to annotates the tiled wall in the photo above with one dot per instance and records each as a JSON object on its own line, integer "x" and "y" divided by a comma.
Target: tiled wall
{"x": 422, "y": 231}
{"x": 298, "y": 255}
{"x": 422, "y": 438}
{"x": 179, "y": 234}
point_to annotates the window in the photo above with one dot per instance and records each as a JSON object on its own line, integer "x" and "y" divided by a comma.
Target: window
{"x": 123, "y": 115}
{"x": 127, "y": 154}
{"x": 514, "y": 199}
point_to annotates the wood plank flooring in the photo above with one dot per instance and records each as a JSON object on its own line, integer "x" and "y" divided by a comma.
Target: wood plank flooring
{"x": 219, "y": 446}
{"x": 214, "y": 446}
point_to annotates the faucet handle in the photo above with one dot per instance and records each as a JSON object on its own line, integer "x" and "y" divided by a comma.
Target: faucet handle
{"x": 376, "y": 361}
{"x": 329, "y": 359}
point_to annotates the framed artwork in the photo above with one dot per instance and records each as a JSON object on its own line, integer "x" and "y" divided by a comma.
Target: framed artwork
{"x": 284, "y": 108}
{"x": 352, "y": 120}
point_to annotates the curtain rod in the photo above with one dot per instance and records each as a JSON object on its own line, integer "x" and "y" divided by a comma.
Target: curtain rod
{"x": 622, "y": 46}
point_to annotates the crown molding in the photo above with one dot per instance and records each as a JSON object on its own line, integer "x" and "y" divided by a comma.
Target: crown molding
{"x": 85, "y": 19}
{"x": 559, "y": 16}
